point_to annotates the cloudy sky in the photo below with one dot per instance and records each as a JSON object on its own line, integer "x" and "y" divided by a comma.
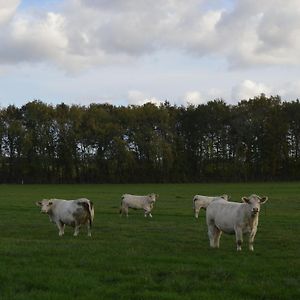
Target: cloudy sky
{"x": 133, "y": 51}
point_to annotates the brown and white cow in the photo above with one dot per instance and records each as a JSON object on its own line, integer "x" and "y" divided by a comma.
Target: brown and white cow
{"x": 145, "y": 203}
{"x": 69, "y": 212}
{"x": 233, "y": 218}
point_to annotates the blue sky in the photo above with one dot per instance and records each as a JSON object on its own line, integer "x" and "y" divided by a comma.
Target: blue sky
{"x": 134, "y": 51}
{"x": 24, "y": 4}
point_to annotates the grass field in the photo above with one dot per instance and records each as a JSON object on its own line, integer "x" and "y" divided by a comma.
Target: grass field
{"x": 166, "y": 257}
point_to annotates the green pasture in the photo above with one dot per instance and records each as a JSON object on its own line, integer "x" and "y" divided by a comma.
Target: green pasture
{"x": 166, "y": 257}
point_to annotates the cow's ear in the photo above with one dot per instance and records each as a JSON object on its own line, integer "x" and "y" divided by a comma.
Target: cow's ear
{"x": 263, "y": 200}
{"x": 38, "y": 203}
{"x": 245, "y": 199}
{"x": 156, "y": 196}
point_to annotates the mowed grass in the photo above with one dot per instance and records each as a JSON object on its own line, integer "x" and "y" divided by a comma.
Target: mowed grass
{"x": 166, "y": 257}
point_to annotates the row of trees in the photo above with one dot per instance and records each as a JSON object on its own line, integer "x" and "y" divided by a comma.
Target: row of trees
{"x": 258, "y": 139}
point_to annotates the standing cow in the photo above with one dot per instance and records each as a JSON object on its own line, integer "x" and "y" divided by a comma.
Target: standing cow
{"x": 200, "y": 201}
{"x": 69, "y": 212}
{"x": 233, "y": 218}
{"x": 138, "y": 202}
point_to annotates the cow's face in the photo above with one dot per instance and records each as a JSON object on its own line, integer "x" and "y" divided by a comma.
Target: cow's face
{"x": 225, "y": 197}
{"x": 45, "y": 205}
{"x": 254, "y": 202}
{"x": 153, "y": 198}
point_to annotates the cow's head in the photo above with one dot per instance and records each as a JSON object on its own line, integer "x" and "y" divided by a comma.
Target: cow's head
{"x": 45, "y": 205}
{"x": 152, "y": 198}
{"x": 254, "y": 202}
{"x": 225, "y": 197}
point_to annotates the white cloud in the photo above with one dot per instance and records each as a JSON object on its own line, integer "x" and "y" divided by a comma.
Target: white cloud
{"x": 290, "y": 90}
{"x": 136, "y": 97}
{"x": 85, "y": 33}
{"x": 8, "y": 9}
{"x": 194, "y": 98}
{"x": 261, "y": 33}
{"x": 249, "y": 89}
{"x": 43, "y": 39}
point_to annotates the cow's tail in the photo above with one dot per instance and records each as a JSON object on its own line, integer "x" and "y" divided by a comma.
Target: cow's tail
{"x": 194, "y": 200}
{"x": 91, "y": 213}
{"x": 89, "y": 208}
{"x": 121, "y": 205}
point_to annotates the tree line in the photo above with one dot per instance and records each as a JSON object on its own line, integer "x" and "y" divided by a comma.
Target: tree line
{"x": 257, "y": 139}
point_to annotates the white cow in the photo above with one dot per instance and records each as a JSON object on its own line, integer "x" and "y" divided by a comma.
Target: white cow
{"x": 138, "y": 202}
{"x": 233, "y": 218}
{"x": 68, "y": 212}
{"x": 200, "y": 201}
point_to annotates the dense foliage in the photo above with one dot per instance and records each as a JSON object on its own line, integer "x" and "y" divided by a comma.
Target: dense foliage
{"x": 258, "y": 139}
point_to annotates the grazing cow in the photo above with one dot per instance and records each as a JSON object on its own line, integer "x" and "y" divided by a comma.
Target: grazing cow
{"x": 233, "y": 218}
{"x": 200, "y": 201}
{"x": 68, "y": 212}
{"x": 138, "y": 202}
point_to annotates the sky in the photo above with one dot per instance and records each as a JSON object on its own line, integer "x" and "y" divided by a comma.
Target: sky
{"x": 129, "y": 52}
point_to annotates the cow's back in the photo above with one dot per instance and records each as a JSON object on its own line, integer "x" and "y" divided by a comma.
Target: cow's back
{"x": 69, "y": 210}
{"x": 202, "y": 200}
{"x": 61, "y": 206}
{"x": 134, "y": 201}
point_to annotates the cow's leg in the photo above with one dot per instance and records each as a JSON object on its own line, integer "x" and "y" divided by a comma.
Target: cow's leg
{"x": 147, "y": 213}
{"x": 89, "y": 228}
{"x": 76, "y": 230}
{"x": 211, "y": 235}
{"x": 125, "y": 209}
{"x": 197, "y": 212}
{"x": 251, "y": 239}
{"x": 217, "y": 236}
{"x": 61, "y": 228}
{"x": 238, "y": 238}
